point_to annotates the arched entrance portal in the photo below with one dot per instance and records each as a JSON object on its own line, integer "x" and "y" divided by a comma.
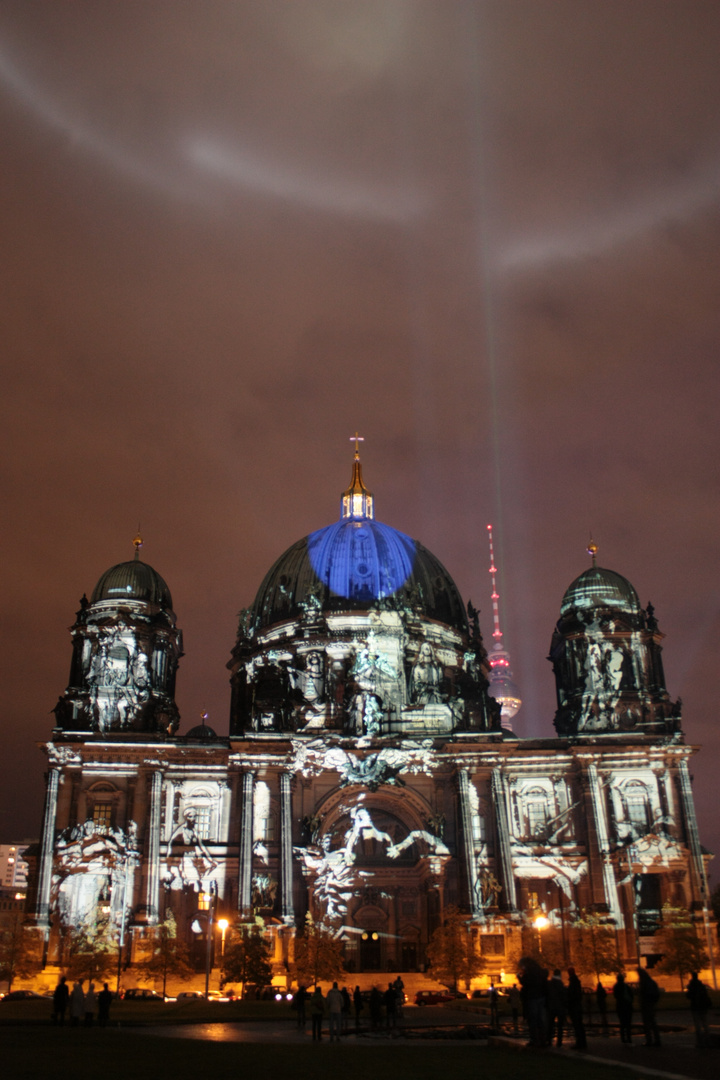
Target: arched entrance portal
{"x": 371, "y": 872}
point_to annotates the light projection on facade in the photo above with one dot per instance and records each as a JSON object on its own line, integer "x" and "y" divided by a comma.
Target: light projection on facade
{"x": 366, "y": 778}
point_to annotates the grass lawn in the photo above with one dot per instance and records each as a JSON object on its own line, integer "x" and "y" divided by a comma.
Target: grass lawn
{"x": 29, "y": 1052}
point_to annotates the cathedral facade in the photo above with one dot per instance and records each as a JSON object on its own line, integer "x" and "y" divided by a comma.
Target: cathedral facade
{"x": 366, "y": 777}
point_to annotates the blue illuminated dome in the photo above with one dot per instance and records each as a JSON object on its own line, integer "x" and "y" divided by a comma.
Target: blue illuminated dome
{"x": 355, "y": 562}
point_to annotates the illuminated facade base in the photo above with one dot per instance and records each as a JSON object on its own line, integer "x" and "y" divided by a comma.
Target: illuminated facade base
{"x": 377, "y": 840}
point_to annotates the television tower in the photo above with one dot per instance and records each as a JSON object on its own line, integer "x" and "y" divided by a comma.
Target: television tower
{"x": 501, "y": 685}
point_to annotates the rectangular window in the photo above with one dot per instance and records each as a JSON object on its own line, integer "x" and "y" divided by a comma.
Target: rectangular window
{"x": 102, "y": 814}
{"x": 266, "y": 828}
{"x": 637, "y": 812}
{"x": 492, "y": 944}
{"x": 648, "y": 902}
{"x": 202, "y": 821}
{"x": 537, "y": 817}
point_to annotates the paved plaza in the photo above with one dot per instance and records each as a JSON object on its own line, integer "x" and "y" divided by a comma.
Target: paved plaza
{"x": 676, "y": 1058}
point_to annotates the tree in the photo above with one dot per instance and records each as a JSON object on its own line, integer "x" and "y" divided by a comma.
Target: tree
{"x": 91, "y": 951}
{"x": 546, "y": 946}
{"x": 247, "y": 956}
{"x": 168, "y": 956}
{"x": 683, "y": 950}
{"x": 318, "y": 953}
{"x": 452, "y": 953}
{"x": 594, "y": 945}
{"x": 18, "y": 952}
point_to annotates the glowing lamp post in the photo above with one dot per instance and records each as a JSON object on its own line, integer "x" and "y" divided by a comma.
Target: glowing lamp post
{"x": 540, "y": 922}
{"x": 223, "y": 925}
{"x": 206, "y": 902}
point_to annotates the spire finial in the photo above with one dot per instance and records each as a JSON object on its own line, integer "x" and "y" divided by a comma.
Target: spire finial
{"x": 137, "y": 543}
{"x": 592, "y": 550}
{"x": 357, "y": 501}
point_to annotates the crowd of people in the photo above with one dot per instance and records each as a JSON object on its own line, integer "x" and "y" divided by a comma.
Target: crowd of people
{"x": 549, "y": 1005}
{"x": 385, "y": 1008}
{"x": 82, "y": 1006}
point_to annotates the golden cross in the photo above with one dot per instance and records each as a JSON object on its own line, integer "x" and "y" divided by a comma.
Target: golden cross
{"x": 357, "y": 439}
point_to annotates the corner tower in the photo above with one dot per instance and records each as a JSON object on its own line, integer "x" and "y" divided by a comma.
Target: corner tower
{"x": 126, "y": 649}
{"x": 607, "y": 659}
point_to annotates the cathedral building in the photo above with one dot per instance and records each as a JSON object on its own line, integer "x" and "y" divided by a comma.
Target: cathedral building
{"x": 366, "y": 777}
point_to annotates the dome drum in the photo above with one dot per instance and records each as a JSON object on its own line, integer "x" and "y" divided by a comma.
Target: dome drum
{"x": 367, "y": 673}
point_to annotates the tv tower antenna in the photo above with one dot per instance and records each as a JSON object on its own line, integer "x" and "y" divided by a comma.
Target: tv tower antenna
{"x": 501, "y": 685}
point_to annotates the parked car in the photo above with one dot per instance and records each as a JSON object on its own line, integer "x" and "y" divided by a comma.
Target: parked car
{"x": 21, "y": 995}
{"x": 485, "y": 993}
{"x": 188, "y": 995}
{"x": 437, "y": 997}
{"x": 140, "y": 993}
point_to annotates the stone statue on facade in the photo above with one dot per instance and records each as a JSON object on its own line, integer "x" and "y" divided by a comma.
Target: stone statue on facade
{"x": 425, "y": 677}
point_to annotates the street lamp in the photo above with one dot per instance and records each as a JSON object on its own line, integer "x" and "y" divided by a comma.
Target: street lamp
{"x": 206, "y": 903}
{"x": 223, "y": 924}
{"x": 127, "y": 863}
{"x": 540, "y": 922}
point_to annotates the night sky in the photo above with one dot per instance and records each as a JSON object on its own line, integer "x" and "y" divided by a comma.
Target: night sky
{"x": 485, "y": 235}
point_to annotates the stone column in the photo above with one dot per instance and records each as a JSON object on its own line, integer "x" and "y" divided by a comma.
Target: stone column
{"x": 503, "y": 834}
{"x": 603, "y": 845}
{"x": 152, "y": 850}
{"x": 286, "y": 874}
{"x": 47, "y": 849}
{"x": 698, "y": 877}
{"x": 246, "y": 844}
{"x": 469, "y": 847}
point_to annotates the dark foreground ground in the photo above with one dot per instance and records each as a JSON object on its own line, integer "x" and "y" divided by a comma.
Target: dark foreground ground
{"x": 443, "y": 1043}
{"x": 126, "y": 1055}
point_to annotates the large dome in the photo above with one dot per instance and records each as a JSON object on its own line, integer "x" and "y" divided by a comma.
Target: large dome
{"x": 133, "y": 580}
{"x": 352, "y": 564}
{"x": 597, "y": 587}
